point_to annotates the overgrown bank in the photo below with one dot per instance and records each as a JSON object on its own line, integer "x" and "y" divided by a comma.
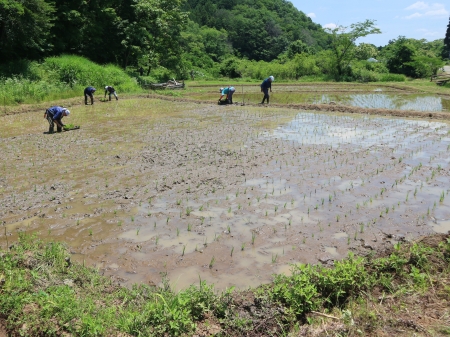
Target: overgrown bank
{"x": 403, "y": 291}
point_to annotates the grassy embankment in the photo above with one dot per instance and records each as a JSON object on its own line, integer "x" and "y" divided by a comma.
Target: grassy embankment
{"x": 58, "y": 78}
{"x": 404, "y": 292}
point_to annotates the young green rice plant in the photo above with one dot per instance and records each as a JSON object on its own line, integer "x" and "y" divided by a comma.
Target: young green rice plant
{"x": 188, "y": 211}
{"x": 211, "y": 263}
{"x": 167, "y": 220}
{"x": 274, "y": 258}
{"x": 441, "y": 199}
{"x": 201, "y": 208}
{"x": 242, "y": 246}
{"x": 90, "y": 232}
{"x": 137, "y": 231}
{"x": 132, "y": 218}
{"x": 276, "y": 209}
{"x": 253, "y": 238}
{"x": 156, "y": 240}
{"x": 232, "y": 250}
{"x": 184, "y": 248}
{"x": 178, "y": 232}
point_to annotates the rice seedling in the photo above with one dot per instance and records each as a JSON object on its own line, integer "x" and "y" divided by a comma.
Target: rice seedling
{"x": 211, "y": 263}
{"x": 441, "y": 199}
{"x": 253, "y": 238}
{"x": 184, "y": 248}
{"x": 156, "y": 240}
{"x": 242, "y": 246}
{"x": 274, "y": 258}
{"x": 137, "y": 231}
{"x": 232, "y": 250}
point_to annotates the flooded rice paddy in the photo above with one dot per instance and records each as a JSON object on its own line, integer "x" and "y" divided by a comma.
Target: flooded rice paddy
{"x": 364, "y": 96}
{"x": 229, "y": 194}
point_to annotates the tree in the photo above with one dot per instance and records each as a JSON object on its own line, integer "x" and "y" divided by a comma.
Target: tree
{"x": 447, "y": 42}
{"x": 24, "y": 29}
{"x": 343, "y": 43}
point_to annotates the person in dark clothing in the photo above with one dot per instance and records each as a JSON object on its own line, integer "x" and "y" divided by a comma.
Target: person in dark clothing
{"x": 89, "y": 91}
{"x": 111, "y": 90}
{"x": 266, "y": 85}
{"x": 54, "y": 116}
{"x": 141, "y": 71}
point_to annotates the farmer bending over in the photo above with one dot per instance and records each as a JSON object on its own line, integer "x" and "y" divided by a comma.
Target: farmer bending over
{"x": 229, "y": 91}
{"x": 266, "y": 85}
{"x": 111, "y": 90}
{"x": 89, "y": 91}
{"x": 54, "y": 116}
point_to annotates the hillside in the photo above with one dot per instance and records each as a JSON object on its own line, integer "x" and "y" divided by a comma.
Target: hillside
{"x": 258, "y": 29}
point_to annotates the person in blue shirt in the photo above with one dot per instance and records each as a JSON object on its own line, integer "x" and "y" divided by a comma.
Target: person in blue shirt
{"x": 266, "y": 85}
{"x": 229, "y": 91}
{"x": 54, "y": 116}
{"x": 89, "y": 91}
{"x": 110, "y": 90}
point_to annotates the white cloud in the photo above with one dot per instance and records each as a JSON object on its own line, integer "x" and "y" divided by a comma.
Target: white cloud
{"x": 429, "y": 33}
{"x": 311, "y": 15}
{"x": 419, "y": 5}
{"x": 412, "y": 16}
{"x": 330, "y": 26}
{"x": 426, "y": 9}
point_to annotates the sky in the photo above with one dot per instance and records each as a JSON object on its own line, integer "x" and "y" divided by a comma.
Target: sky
{"x": 409, "y": 18}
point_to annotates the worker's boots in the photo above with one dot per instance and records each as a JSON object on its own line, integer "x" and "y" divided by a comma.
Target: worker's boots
{"x": 58, "y": 128}
{"x": 51, "y": 130}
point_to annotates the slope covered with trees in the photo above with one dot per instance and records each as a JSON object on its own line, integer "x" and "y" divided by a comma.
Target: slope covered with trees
{"x": 258, "y": 29}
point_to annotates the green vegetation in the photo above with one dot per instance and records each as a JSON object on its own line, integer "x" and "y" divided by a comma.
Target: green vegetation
{"x": 203, "y": 39}
{"x": 44, "y": 293}
{"x": 58, "y": 78}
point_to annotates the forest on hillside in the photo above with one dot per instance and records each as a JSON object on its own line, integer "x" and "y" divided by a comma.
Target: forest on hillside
{"x": 208, "y": 38}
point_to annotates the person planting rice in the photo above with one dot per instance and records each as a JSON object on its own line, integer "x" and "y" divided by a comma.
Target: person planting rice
{"x": 228, "y": 91}
{"x": 110, "y": 90}
{"x": 266, "y": 85}
{"x": 54, "y": 116}
{"x": 89, "y": 91}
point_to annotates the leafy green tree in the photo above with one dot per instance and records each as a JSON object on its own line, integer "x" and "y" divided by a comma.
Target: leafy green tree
{"x": 343, "y": 43}
{"x": 365, "y": 51}
{"x": 298, "y": 47}
{"x": 425, "y": 66}
{"x": 446, "y": 51}
{"x": 24, "y": 29}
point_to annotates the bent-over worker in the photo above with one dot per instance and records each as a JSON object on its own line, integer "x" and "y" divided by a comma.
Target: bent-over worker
{"x": 54, "y": 116}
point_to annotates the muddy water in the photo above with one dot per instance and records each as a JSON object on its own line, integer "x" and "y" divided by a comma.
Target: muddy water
{"x": 378, "y": 98}
{"x": 226, "y": 194}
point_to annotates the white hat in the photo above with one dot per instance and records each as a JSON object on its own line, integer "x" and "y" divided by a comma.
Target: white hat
{"x": 106, "y": 87}
{"x": 232, "y": 89}
{"x": 221, "y": 89}
{"x": 67, "y": 111}
{"x": 272, "y": 78}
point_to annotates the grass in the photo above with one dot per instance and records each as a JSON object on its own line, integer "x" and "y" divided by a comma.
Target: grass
{"x": 42, "y": 292}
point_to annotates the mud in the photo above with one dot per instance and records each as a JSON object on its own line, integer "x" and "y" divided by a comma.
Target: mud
{"x": 152, "y": 187}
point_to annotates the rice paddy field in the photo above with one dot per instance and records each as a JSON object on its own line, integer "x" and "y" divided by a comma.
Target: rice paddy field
{"x": 155, "y": 186}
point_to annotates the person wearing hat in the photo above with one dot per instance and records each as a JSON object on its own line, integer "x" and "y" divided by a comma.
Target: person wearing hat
{"x": 54, "y": 116}
{"x": 229, "y": 91}
{"x": 111, "y": 90}
{"x": 89, "y": 91}
{"x": 266, "y": 85}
